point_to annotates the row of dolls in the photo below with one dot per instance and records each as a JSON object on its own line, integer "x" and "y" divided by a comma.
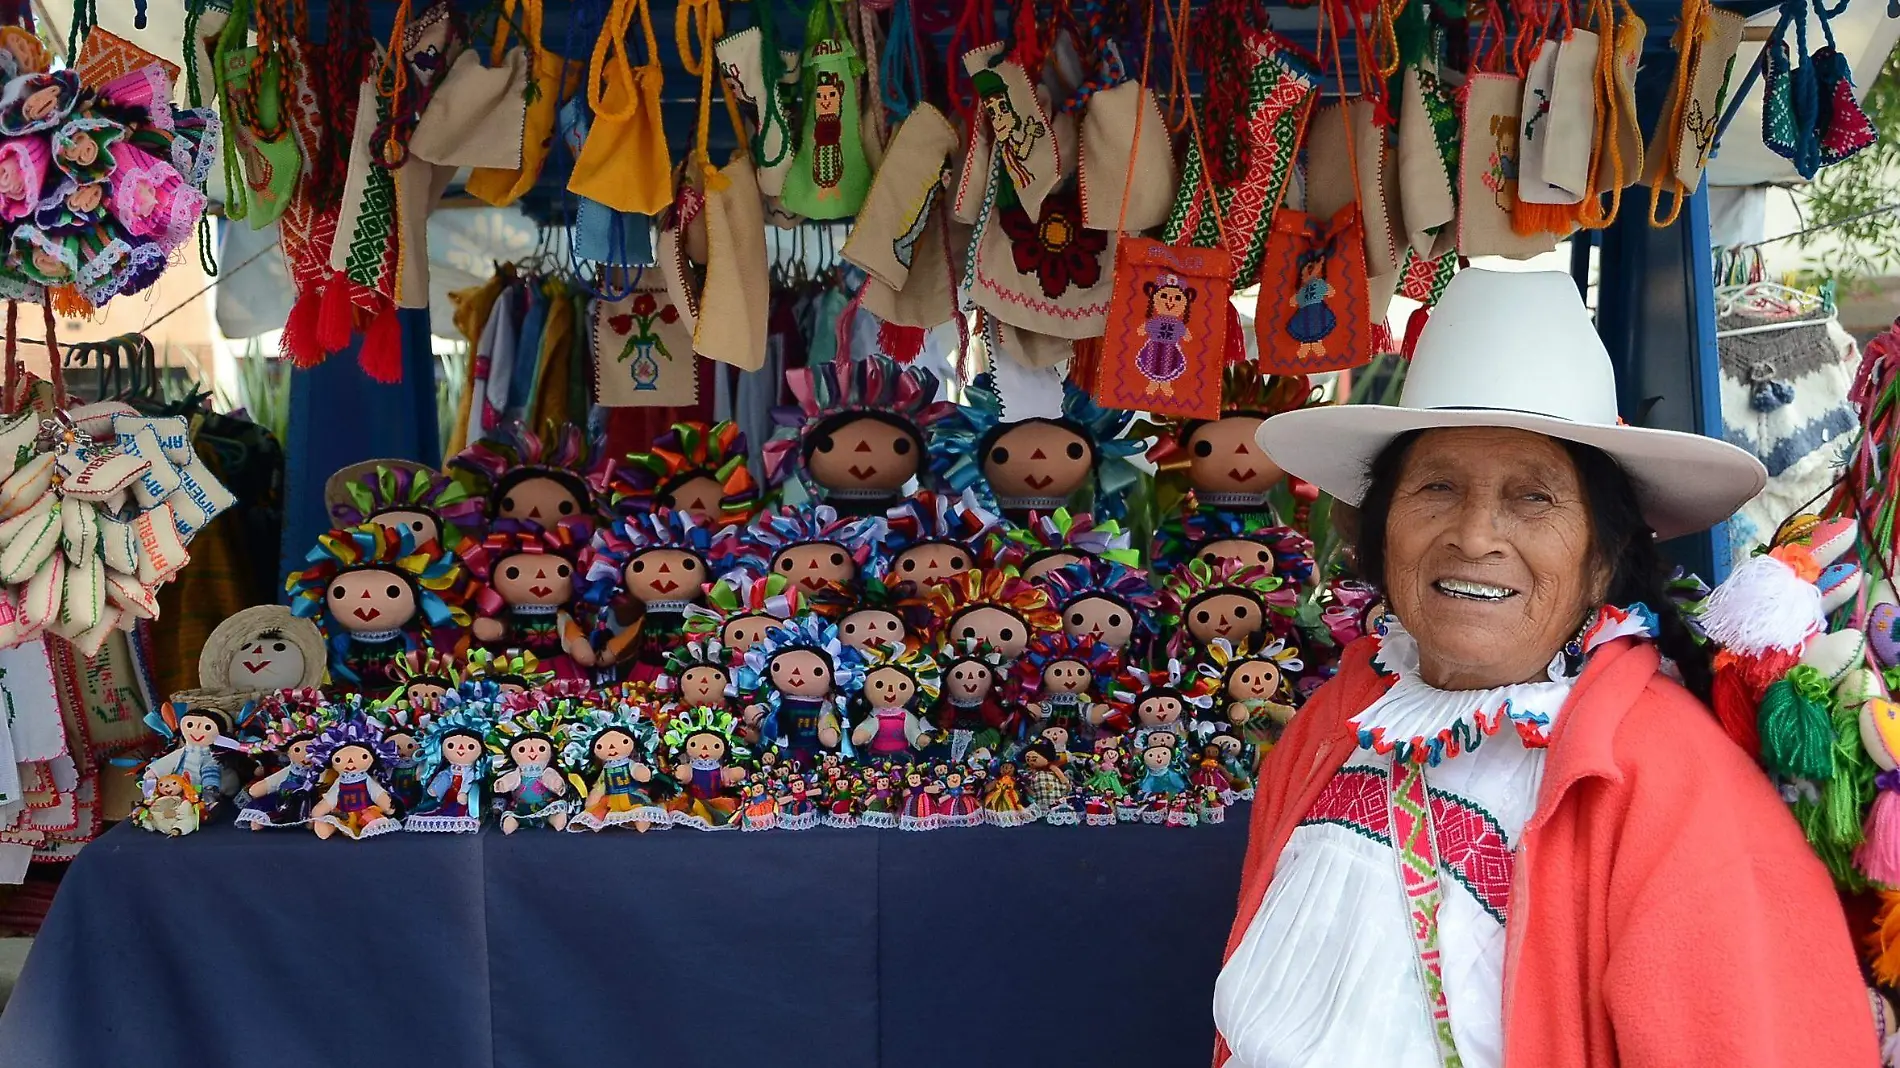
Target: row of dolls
{"x": 552, "y": 757}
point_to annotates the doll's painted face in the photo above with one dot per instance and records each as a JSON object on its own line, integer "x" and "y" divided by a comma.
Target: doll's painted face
{"x": 1225, "y": 744}
{"x": 87, "y": 198}
{"x": 968, "y": 681}
{"x": 930, "y": 563}
{"x": 420, "y": 525}
{"x": 543, "y": 500}
{"x": 1253, "y": 680}
{"x": 531, "y": 752}
{"x": 1106, "y": 621}
{"x": 867, "y": 627}
{"x": 612, "y": 744}
{"x": 404, "y": 742}
{"x": 1157, "y": 757}
{"x": 1004, "y": 630}
{"x": 1049, "y": 561}
{"x": 698, "y": 495}
{"x": 889, "y": 687}
{"x": 666, "y": 575}
{"x": 268, "y": 661}
{"x": 1056, "y": 736}
{"x": 351, "y": 759}
{"x": 461, "y": 750}
{"x": 81, "y": 149}
{"x": 866, "y": 453}
{"x": 425, "y": 694}
{"x": 1234, "y": 616}
{"x": 298, "y": 752}
{"x": 198, "y": 729}
{"x": 1065, "y": 676}
{"x": 1108, "y": 757}
{"x": 741, "y": 633}
{"x": 705, "y": 746}
{"x": 1159, "y": 710}
{"x": 1244, "y": 551}
{"x": 801, "y": 673}
{"x": 371, "y": 600}
{"x": 534, "y": 579}
{"x": 171, "y": 786}
{"x": 815, "y": 565}
{"x": 41, "y": 103}
{"x": 703, "y": 684}
{"x": 1223, "y": 457}
{"x": 1037, "y": 459}
{"x": 1034, "y": 761}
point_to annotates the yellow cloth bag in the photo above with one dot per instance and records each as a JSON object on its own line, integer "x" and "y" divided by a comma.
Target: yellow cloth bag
{"x": 502, "y": 186}
{"x": 624, "y": 162}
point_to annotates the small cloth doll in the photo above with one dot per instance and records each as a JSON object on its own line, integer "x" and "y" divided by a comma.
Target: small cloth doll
{"x": 200, "y": 731}
{"x": 1057, "y": 539}
{"x": 524, "y": 476}
{"x": 1161, "y": 779}
{"x": 23, "y": 162}
{"x": 35, "y": 103}
{"x": 958, "y": 805}
{"x": 172, "y": 808}
{"x": 1035, "y": 465}
{"x": 818, "y": 552}
{"x": 258, "y": 650}
{"x": 422, "y": 677}
{"x": 452, "y": 766}
{"x": 1003, "y": 800}
{"x": 614, "y": 745}
{"x": 856, "y": 437}
{"x": 291, "y": 719}
{"x": 692, "y": 468}
{"x": 741, "y": 607}
{"x": 82, "y": 148}
{"x": 970, "y": 718}
{"x": 1051, "y": 792}
{"x": 1247, "y": 604}
{"x": 1255, "y": 688}
{"x": 797, "y": 808}
{"x": 805, "y": 677}
{"x": 528, "y": 576}
{"x": 1216, "y": 538}
{"x": 1164, "y": 700}
{"x": 697, "y": 674}
{"x": 922, "y": 786}
{"x": 881, "y": 803}
{"x": 399, "y": 723}
{"x": 372, "y": 590}
{"x": 643, "y": 572}
{"x": 1105, "y": 602}
{"x": 933, "y": 537}
{"x": 357, "y": 801}
{"x": 1105, "y": 790}
{"x": 1055, "y": 681}
{"x": 885, "y": 614}
{"x": 402, "y": 493}
{"x": 996, "y": 606}
{"x": 702, "y": 740}
{"x": 531, "y": 787}
{"x": 897, "y": 681}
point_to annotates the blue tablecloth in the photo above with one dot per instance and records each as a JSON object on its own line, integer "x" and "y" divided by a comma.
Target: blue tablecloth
{"x": 1043, "y": 946}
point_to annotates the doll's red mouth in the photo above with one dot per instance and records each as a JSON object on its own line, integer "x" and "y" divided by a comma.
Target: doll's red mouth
{"x": 1223, "y": 628}
{"x": 255, "y": 666}
{"x": 1257, "y": 688}
{"x": 665, "y": 585}
{"x": 540, "y": 591}
{"x": 861, "y": 472}
{"x": 367, "y": 614}
{"x": 812, "y": 582}
{"x": 1241, "y": 476}
{"x": 1039, "y": 482}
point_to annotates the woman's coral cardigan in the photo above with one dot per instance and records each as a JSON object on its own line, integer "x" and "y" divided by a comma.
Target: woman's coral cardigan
{"x": 1665, "y": 909}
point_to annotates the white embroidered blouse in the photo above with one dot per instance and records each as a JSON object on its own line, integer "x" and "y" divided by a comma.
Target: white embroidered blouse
{"x": 1327, "y": 974}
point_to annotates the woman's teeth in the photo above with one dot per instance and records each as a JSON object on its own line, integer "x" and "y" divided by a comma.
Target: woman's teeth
{"x": 1473, "y": 591}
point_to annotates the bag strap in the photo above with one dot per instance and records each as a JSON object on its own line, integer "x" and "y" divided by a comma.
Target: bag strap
{"x": 611, "y": 47}
{"x": 528, "y": 30}
{"x": 900, "y": 64}
{"x": 1691, "y": 31}
{"x": 1591, "y": 212}
{"x": 975, "y": 27}
{"x": 1345, "y": 105}
{"x": 237, "y": 201}
{"x": 1179, "y": 62}
{"x": 696, "y": 55}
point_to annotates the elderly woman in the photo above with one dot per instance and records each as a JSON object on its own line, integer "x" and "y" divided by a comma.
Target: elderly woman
{"x": 1510, "y": 831}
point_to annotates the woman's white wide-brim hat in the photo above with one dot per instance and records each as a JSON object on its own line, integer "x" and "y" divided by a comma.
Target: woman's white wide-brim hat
{"x": 1518, "y": 350}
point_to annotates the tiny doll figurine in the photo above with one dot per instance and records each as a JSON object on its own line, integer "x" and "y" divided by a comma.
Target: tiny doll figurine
{"x": 521, "y": 475}
{"x": 528, "y": 575}
{"x": 805, "y": 677}
{"x": 530, "y": 784}
{"x": 644, "y": 573}
{"x": 970, "y": 718}
{"x": 201, "y": 746}
{"x": 1105, "y": 787}
{"x": 880, "y": 800}
{"x": 822, "y": 555}
{"x": 257, "y": 650}
{"x": 452, "y": 766}
{"x": 840, "y": 796}
{"x": 1159, "y": 775}
{"x": 1209, "y": 773}
{"x": 995, "y": 606}
{"x": 372, "y": 590}
{"x": 356, "y": 802}
{"x": 957, "y": 805}
{"x": 1254, "y": 688}
{"x": 897, "y": 682}
{"x": 1105, "y": 602}
{"x": 1034, "y": 465}
{"x": 398, "y": 721}
{"x": 291, "y": 720}
{"x": 1055, "y": 681}
{"x": 855, "y": 439}
{"x": 933, "y": 537}
{"x": 884, "y": 614}
{"x": 172, "y": 808}
{"x": 1245, "y": 604}
{"x": 1160, "y": 700}
{"x": 761, "y": 810}
{"x": 1057, "y": 539}
{"x": 1051, "y": 793}
{"x": 1236, "y": 758}
{"x": 403, "y": 493}
{"x": 692, "y": 468}
{"x": 703, "y": 740}
{"x": 610, "y": 743}
{"x": 741, "y": 607}
{"x": 1003, "y": 800}
{"x": 797, "y": 810}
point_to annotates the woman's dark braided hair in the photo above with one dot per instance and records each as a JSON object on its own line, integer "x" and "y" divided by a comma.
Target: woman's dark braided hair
{"x": 1618, "y": 534}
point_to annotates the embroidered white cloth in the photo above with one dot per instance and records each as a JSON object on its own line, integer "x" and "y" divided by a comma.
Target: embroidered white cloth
{"x": 1326, "y": 974}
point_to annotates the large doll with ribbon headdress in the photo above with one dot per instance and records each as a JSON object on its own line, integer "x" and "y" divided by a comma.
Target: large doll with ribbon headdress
{"x": 374, "y": 592}
{"x": 804, "y": 677}
{"x": 693, "y": 468}
{"x": 402, "y": 493}
{"x": 1055, "y": 539}
{"x": 642, "y": 574}
{"x": 521, "y": 475}
{"x": 1245, "y": 604}
{"x": 529, "y": 578}
{"x": 934, "y": 536}
{"x": 1026, "y": 466}
{"x": 820, "y": 553}
{"x": 1105, "y": 602}
{"x": 740, "y": 607}
{"x": 855, "y": 438}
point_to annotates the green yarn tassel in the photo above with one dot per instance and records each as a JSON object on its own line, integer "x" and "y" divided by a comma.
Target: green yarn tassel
{"x": 1797, "y": 732}
{"x": 1845, "y": 797}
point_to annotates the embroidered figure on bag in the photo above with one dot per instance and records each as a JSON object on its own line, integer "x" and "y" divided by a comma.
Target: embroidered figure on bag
{"x": 1015, "y": 135}
{"x": 904, "y": 248}
{"x": 827, "y": 161}
{"x": 1501, "y": 178}
{"x": 1312, "y": 321}
{"x": 1543, "y": 109}
{"x": 1166, "y": 329}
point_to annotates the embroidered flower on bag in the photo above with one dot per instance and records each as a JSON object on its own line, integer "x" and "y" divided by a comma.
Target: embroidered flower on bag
{"x": 1056, "y": 248}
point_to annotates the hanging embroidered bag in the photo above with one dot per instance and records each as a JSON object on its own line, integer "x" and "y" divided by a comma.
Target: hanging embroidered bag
{"x": 261, "y": 158}
{"x": 624, "y": 163}
{"x": 1312, "y": 313}
{"x": 902, "y": 204}
{"x": 477, "y": 116}
{"x": 553, "y": 77}
{"x": 830, "y": 175}
{"x": 1487, "y": 181}
{"x": 643, "y": 349}
{"x": 1109, "y": 151}
{"x": 600, "y": 234}
{"x": 1705, "y": 41}
{"x": 1016, "y": 124}
{"x": 1428, "y": 161}
{"x": 731, "y": 324}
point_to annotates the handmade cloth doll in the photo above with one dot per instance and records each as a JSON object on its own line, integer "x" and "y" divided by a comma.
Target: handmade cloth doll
{"x": 373, "y": 589}
{"x": 740, "y": 607}
{"x": 698, "y": 673}
{"x": 881, "y": 801}
{"x": 1163, "y": 700}
{"x": 885, "y": 614}
{"x": 1051, "y": 792}
{"x": 400, "y": 493}
{"x": 996, "y": 606}
{"x": 357, "y": 801}
{"x": 531, "y": 787}
{"x": 521, "y": 475}
{"x": 1161, "y": 777}
{"x": 1247, "y": 604}
{"x": 959, "y": 804}
{"x": 702, "y": 741}
{"x": 1056, "y": 539}
{"x": 1056, "y": 679}
{"x": 1105, "y": 602}
{"x": 452, "y": 767}
{"x": 614, "y": 746}
{"x": 970, "y": 719}
{"x": 422, "y": 677}
{"x": 258, "y": 650}
{"x": 201, "y": 735}
{"x": 283, "y": 798}
{"x": 1213, "y": 467}
{"x": 642, "y": 575}
{"x": 1034, "y": 465}
{"x": 1003, "y": 804}
{"x": 1213, "y": 537}
{"x": 805, "y": 677}
{"x": 527, "y": 579}
{"x": 1256, "y": 688}
{"x": 505, "y": 672}
{"x": 1105, "y": 789}
{"x": 797, "y": 808}
{"x": 932, "y": 537}
{"x": 399, "y": 725}
{"x": 897, "y": 682}
{"x": 172, "y": 808}
{"x": 922, "y": 786}
{"x": 692, "y": 468}
{"x": 855, "y": 438}
{"x": 821, "y": 554}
